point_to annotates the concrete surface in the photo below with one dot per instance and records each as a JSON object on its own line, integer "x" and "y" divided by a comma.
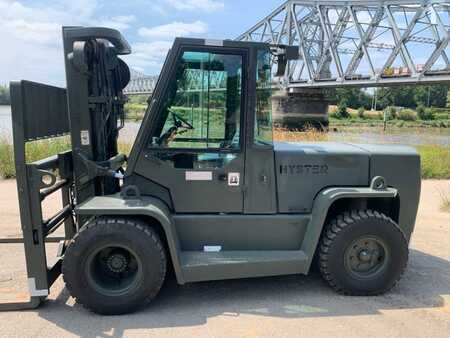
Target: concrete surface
{"x": 292, "y": 306}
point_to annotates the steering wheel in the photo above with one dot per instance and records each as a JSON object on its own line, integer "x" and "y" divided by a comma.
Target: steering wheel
{"x": 180, "y": 122}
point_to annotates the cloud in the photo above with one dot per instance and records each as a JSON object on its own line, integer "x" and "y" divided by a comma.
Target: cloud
{"x": 148, "y": 55}
{"x": 118, "y": 22}
{"x": 193, "y": 5}
{"x": 174, "y": 29}
{"x": 32, "y": 33}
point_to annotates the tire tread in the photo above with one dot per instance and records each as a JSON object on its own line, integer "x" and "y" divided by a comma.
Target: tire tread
{"x": 112, "y": 222}
{"x": 333, "y": 231}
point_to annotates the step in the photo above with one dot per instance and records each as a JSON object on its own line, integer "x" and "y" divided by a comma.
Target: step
{"x": 203, "y": 266}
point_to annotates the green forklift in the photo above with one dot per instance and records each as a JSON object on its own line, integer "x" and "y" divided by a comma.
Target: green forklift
{"x": 205, "y": 192}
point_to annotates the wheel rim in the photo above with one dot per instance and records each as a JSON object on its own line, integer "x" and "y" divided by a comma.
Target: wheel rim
{"x": 113, "y": 270}
{"x": 366, "y": 257}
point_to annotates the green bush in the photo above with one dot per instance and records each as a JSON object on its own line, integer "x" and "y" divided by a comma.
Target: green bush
{"x": 342, "y": 111}
{"x": 407, "y": 115}
{"x": 335, "y": 115}
{"x": 390, "y": 113}
{"x": 361, "y": 112}
{"x": 425, "y": 114}
{"x": 440, "y": 113}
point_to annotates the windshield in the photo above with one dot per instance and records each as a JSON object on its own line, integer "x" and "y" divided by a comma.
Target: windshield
{"x": 203, "y": 110}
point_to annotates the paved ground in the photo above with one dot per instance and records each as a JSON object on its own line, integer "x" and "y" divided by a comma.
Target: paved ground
{"x": 281, "y": 307}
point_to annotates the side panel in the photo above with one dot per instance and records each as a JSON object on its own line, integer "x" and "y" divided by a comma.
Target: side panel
{"x": 304, "y": 169}
{"x": 400, "y": 166}
{"x": 238, "y": 232}
{"x": 149, "y": 188}
{"x": 261, "y": 185}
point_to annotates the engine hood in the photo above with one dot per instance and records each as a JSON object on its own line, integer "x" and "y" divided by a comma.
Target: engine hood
{"x": 344, "y": 148}
{"x": 319, "y": 147}
{"x": 304, "y": 169}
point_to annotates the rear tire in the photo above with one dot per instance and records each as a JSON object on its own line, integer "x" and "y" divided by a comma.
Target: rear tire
{"x": 363, "y": 253}
{"x": 115, "y": 266}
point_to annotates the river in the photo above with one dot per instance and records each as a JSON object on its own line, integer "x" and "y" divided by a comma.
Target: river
{"x": 5, "y": 120}
{"x": 407, "y": 136}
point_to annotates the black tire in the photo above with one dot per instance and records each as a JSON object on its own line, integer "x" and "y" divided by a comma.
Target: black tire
{"x": 115, "y": 266}
{"x": 363, "y": 253}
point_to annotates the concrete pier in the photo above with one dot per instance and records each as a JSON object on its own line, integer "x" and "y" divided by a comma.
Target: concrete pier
{"x": 299, "y": 108}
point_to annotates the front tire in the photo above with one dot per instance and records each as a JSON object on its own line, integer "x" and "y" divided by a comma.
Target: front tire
{"x": 363, "y": 253}
{"x": 114, "y": 266}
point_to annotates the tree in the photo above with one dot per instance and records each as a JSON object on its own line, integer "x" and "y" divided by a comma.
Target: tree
{"x": 4, "y": 95}
{"x": 413, "y": 96}
{"x": 342, "y": 111}
{"x": 353, "y": 97}
{"x": 433, "y": 96}
{"x": 403, "y": 96}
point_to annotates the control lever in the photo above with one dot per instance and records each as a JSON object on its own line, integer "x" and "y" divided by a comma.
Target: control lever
{"x": 111, "y": 168}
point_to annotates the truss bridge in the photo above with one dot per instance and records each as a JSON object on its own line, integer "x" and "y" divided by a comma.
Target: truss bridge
{"x": 361, "y": 43}
{"x": 366, "y": 43}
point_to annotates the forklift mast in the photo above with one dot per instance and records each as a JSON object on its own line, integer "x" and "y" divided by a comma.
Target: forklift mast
{"x": 95, "y": 80}
{"x": 91, "y": 112}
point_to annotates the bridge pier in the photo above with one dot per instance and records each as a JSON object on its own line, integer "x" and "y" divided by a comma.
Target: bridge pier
{"x": 299, "y": 108}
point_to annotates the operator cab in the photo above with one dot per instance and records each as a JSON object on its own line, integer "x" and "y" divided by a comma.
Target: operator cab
{"x": 209, "y": 116}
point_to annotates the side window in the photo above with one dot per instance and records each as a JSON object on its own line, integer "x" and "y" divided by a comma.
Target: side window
{"x": 263, "y": 118}
{"x": 203, "y": 107}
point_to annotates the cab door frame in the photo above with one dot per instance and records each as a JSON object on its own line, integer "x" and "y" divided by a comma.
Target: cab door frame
{"x": 261, "y": 186}
{"x": 144, "y": 163}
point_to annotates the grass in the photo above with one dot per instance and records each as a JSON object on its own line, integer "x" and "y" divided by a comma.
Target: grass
{"x": 371, "y": 122}
{"x": 311, "y": 135}
{"x": 435, "y": 162}
{"x": 35, "y": 151}
{"x": 135, "y": 111}
{"x": 445, "y": 200}
{"x": 7, "y": 169}
{"x": 435, "y": 159}
{"x": 445, "y": 203}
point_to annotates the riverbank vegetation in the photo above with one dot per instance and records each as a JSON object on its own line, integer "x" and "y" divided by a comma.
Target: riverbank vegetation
{"x": 136, "y": 107}
{"x": 435, "y": 159}
{"x": 445, "y": 203}
{"x": 4, "y": 95}
{"x": 436, "y": 96}
{"x": 35, "y": 151}
{"x": 435, "y": 162}
{"x": 405, "y": 106}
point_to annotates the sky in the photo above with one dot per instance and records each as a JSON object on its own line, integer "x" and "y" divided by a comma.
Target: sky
{"x": 32, "y": 45}
{"x": 31, "y": 30}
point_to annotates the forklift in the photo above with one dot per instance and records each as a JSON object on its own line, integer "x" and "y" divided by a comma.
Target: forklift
{"x": 206, "y": 192}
